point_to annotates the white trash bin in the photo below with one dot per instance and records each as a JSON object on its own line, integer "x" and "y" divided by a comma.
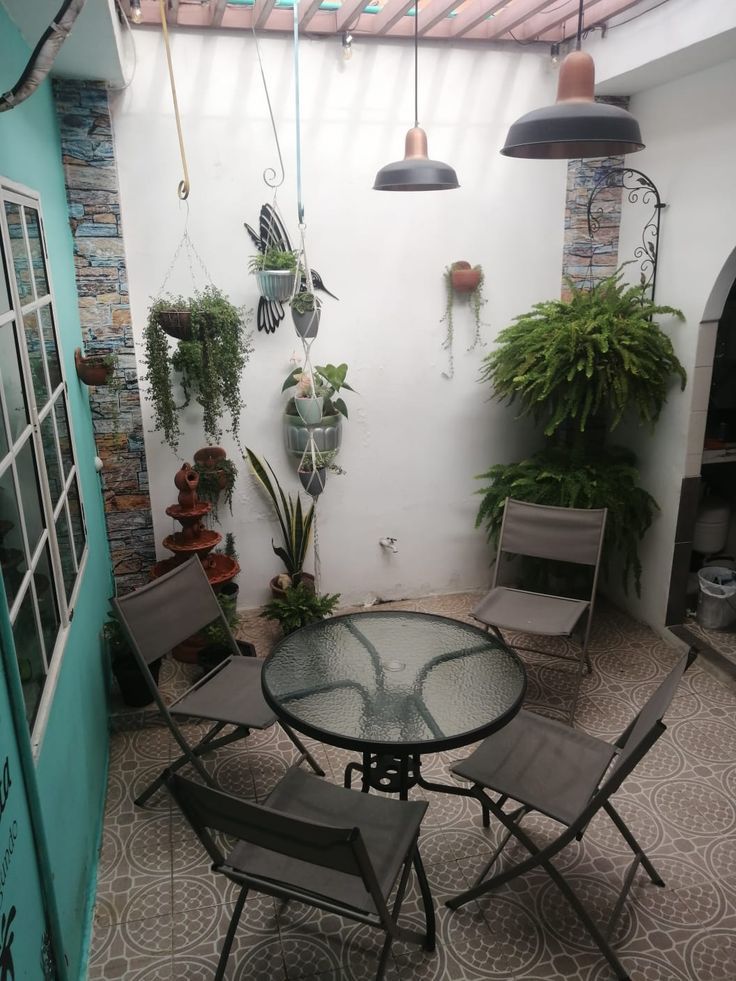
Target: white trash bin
{"x": 717, "y": 597}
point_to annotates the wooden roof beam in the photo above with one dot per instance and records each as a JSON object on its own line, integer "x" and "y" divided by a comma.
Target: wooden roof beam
{"x": 348, "y": 13}
{"x": 391, "y": 12}
{"x": 261, "y": 12}
{"x": 473, "y": 14}
{"x": 218, "y": 11}
{"x": 172, "y": 11}
{"x": 434, "y": 13}
{"x": 307, "y": 11}
{"x": 566, "y": 18}
{"x": 514, "y": 15}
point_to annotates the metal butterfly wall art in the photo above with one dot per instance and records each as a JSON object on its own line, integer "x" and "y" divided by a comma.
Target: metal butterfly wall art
{"x": 272, "y": 234}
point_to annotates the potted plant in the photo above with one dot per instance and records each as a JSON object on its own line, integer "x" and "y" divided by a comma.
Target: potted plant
{"x": 313, "y": 469}
{"x": 566, "y": 361}
{"x": 276, "y": 272}
{"x": 295, "y": 524}
{"x": 466, "y": 281}
{"x": 298, "y": 607}
{"x": 217, "y": 476}
{"x": 132, "y": 684}
{"x": 96, "y": 369}
{"x": 309, "y": 398}
{"x": 210, "y": 365}
{"x": 305, "y": 312}
{"x": 329, "y": 381}
{"x": 172, "y": 315}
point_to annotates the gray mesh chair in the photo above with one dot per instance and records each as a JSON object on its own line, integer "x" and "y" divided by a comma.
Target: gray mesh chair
{"x": 160, "y": 615}
{"x": 572, "y": 535}
{"x": 548, "y": 767}
{"x": 336, "y": 849}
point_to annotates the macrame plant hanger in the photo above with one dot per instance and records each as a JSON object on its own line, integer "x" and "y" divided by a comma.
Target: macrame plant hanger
{"x": 186, "y": 246}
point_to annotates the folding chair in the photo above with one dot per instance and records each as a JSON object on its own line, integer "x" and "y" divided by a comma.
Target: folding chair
{"x": 165, "y": 612}
{"x": 545, "y": 766}
{"x": 336, "y": 849}
{"x": 571, "y": 535}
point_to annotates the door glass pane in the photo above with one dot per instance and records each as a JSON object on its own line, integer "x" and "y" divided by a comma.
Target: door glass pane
{"x": 30, "y": 495}
{"x": 30, "y": 657}
{"x": 20, "y": 254}
{"x": 52, "y": 352}
{"x": 64, "y": 539}
{"x": 12, "y": 556}
{"x": 75, "y": 516}
{"x": 15, "y": 400}
{"x": 51, "y": 456}
{"x": 35, "y": 354}
{"x": 37, "y": 260}
{"x": 65, "y": 443}
{"x": 4, "y": 445}
{"x": 4, "y": 288}
{"x": 46, "y": 596}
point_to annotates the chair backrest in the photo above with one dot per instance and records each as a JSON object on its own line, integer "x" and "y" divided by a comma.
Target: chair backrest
{"x": 206, "y": 809}
{"x": 547, "y": 532}
{"x": 649, "y": 717}
{"x": 166, "y": 611}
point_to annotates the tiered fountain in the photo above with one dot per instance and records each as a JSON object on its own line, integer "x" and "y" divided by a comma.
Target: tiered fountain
{"x": 194, "y": 538}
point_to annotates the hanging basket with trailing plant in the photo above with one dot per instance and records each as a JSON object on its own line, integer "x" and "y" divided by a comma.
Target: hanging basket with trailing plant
{"x": 464, "y": 281}
{"x": 210, "y": 364}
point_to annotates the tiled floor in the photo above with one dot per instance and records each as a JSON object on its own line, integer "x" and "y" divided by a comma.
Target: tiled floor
{"x": 161, "y": 914}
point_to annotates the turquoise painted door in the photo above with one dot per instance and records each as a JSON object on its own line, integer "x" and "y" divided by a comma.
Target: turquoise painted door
{"x": 24, "y": 945}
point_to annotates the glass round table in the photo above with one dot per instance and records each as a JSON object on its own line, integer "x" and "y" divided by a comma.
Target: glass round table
{"x": 393, "y": 686}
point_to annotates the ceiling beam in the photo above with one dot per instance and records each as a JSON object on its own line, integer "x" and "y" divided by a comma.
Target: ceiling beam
{"x": 514, "y": 15}
{"x": 434, "y": 12}
{"x": 307, "y": 11}
{"x": 172, "y": 11}
{"x": 348, "y": 12}
{"x": 566, "y": 15}
{"x": 473, "y": 14}
{"x": 218, "y": 10}
{"x": 391, "y": 12}
{"x": 262, "y": 11}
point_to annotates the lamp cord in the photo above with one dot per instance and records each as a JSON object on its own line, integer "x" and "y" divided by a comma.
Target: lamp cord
{"x": 580, "y": 26}
{"x": 416, "y": 63}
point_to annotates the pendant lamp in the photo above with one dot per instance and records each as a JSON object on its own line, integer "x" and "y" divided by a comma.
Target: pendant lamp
{"x": 416, "y": 172}
{"x": 576, "y": 125}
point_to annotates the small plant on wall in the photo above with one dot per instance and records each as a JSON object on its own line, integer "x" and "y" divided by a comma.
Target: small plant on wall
{"x": 210, "y": 358}
{"x": 462, "y": 281}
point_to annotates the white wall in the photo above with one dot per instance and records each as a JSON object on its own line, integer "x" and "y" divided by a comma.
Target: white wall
{"x": 414, "y": 440}
{"x": 689, "y": 126}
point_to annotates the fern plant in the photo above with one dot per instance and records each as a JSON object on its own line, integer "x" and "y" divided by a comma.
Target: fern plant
{"x": 568, "y": 478}
{"x": 598, "y": 352}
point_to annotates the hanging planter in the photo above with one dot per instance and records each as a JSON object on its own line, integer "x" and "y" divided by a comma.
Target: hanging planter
{"x": 276, "y": 271}
{"x": 305, "y": 312}
{"x": 313, "y": 481}
{"x": 310, "y": 409}
{"x": 177, "y": 323}
{"x": 465, "y": 278}
{"x": 462, "y": 281}
{"x": 94, "y": 370}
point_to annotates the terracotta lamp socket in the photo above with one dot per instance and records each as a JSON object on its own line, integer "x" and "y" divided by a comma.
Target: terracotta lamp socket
{"x": 576, "y": 82}
{"x": 415, "y": 144}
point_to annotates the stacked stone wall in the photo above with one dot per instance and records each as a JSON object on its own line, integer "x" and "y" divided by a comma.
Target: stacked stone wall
{"x": 102, "y": 283}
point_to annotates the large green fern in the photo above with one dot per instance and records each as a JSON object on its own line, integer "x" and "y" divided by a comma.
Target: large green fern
{"x": 598, "y": 352}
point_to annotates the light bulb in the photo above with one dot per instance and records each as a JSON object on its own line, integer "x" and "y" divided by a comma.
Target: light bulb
{"x": 554, "y": 55}
{"x": 136, "y": 14}
{"x": 347, "y": 46}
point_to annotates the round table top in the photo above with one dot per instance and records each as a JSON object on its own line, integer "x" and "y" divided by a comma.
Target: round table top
{"x": 394, "y": 682}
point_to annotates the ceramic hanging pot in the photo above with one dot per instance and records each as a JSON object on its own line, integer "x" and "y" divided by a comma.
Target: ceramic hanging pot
{"x": 310, "y": 410}
{"x": 306, "y": 324}
{"x": 464, "y": 278}
{"x": 313, "y": 481}
{"x": 276, "y": 284}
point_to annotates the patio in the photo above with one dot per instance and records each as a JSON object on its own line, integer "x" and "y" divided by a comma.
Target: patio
{"x": 161, "y": 914}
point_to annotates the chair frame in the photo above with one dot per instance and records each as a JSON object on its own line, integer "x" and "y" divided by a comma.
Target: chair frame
{"x": 212, "y": 739}
{"x": 618, "y": 770}
{"x": 334, "y": 848}
{"x": 583, "y": 660}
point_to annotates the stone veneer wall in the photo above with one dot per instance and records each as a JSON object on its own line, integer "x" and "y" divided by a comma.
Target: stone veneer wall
{"x": 94, "y": 215}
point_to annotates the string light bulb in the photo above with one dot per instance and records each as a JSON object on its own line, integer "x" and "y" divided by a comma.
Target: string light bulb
{"x": 136, "y": 14}
{"x": 554, "y": 55}
{"x": 347, "y": 46}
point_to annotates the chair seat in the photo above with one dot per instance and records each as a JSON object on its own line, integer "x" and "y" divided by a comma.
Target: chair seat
{"x": 542, "y": 763}
{"x": 388, "y": 827}
{"x": 233, "y": 695}
{"x": 534, "y": 613}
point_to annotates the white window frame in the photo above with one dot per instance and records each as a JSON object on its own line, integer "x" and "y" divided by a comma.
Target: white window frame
{"x": 18, "y": 194}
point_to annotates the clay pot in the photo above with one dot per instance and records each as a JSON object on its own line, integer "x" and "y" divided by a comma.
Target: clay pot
{"x": 91, "y": 371}
{"x": 464, "y": 278}
{"x": 189, "y": 650}
{"x": 278, "y": 593}
{"x": 209, "y": 456}
{"x": 186, "y": 480}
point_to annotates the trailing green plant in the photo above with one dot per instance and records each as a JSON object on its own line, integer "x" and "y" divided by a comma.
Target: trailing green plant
{"x": 274, "y": 258}
{"x": 294, "y": 521}
{"x": 304, "y": 302}
{"x": 329, "y": 380}
{"x": 210, "y": 363}
{"x": 567, "y": 478}
{"x": 210, "y": 483}
{"x": 477, "y": 301}
{"x": 309, "y": 463}
{"x": 597, "y": 352}
{"x": 299, "y": 607}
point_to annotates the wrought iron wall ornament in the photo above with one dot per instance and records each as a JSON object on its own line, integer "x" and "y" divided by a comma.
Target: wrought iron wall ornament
{"x": 640, "y": 190}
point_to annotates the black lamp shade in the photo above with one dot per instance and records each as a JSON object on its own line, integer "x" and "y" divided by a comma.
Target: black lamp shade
{"x": 576, "y": 125}
{"x": 416, "y": 172}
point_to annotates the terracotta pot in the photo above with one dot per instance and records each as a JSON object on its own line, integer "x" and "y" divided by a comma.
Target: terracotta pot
{"x": 176, "y": 323}
{"x": 209, "y": 456}
{"x": 189, "y": 650}
{"x": 186, "y": 480}
{"x": 464, "y": 278}
{"x": 278, "y": 593}
{"x": 91, "y": 371}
